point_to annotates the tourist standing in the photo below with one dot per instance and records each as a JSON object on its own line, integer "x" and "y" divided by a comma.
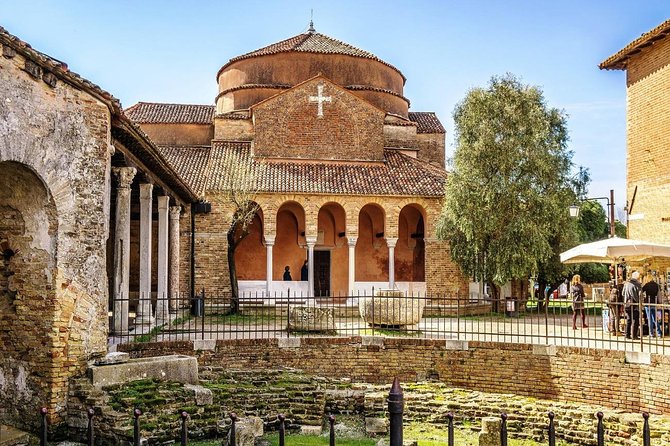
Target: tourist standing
{"x": 287, "y": 274}
{"x": 616, "y": 311}
{"x": 650, "y": 290}
{"x": 631, "y": 297}
{"x": 304, "y": 272}
{"x": 577, "y": 291}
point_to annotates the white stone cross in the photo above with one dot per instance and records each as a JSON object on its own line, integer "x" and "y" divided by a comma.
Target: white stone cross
{"x": 320, "y": 99}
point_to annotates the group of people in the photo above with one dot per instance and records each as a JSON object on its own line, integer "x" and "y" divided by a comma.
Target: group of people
{"x": 304, "y": 273}
{"x": 624, "y": 301}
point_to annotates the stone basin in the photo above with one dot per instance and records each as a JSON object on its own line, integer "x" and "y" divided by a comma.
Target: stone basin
{"x": 391, "y": 308}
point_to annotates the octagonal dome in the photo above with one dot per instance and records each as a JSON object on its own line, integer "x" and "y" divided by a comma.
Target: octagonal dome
{"x": 252, "y": 77}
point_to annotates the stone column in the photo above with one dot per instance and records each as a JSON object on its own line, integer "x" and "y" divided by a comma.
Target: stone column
{"x": 144, "y": 319}
{"x": 352, "y": 263}
{"x": 391, "y": 242}
{"x": 124, "y": 177}
{"x": 173, "y": 278}
{"x": 162, "y": 306}
{"x": 311, "y": 241}
{"x": 269, "y": 243}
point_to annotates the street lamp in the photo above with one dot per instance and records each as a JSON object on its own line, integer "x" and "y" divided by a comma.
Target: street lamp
{"x": 574, "y": 210}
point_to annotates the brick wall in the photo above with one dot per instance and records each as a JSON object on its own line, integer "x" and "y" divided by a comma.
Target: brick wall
{"x": 601, "y": 377}
{"x": 648, "y": 140}
{"x": 54, "y": 171}
{"x": 287, "y": 125}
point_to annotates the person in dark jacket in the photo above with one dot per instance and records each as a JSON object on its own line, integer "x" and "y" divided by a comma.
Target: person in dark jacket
{"x": 304, "y": 272}
{"x": 650, "y": 290}
{"x": 631, "y": 297}
{"x": 287, "y": 273}
{"x": 577, "y": 291}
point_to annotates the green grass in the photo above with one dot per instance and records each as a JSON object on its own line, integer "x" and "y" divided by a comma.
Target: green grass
{"x": 241, "y": 319}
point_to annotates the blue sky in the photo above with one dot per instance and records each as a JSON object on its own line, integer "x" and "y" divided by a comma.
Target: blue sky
{"x": 170, "y": 51}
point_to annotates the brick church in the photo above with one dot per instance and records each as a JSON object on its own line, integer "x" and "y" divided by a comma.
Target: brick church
{"x": 101, "y": 205}
{"x": 353, "y": 181}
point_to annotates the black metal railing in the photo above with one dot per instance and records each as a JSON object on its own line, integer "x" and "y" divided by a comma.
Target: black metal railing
{"x": 396, "y": 404}
{"x": 509, "y": 320}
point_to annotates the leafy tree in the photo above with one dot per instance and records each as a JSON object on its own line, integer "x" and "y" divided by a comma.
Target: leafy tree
{"x": 240, "y": 176}
{"x": 506, "y": 199}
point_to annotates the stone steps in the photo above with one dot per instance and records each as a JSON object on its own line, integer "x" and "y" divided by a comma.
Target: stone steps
{"x": 10, "y": 436}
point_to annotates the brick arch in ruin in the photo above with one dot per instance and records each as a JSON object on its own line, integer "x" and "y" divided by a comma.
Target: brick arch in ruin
{"x": 410, "y": 251}
{"x": 290, "y": 239}
{"x": 250, "y": 255}
{"x": 28, "y": 282}
{"x": 372, "y": 259}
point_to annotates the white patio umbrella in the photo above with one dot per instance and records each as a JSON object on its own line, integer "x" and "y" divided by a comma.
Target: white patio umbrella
{"x": 611, "y": 250}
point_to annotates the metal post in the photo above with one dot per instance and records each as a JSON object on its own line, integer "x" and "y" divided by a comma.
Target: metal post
{"x": 231, "y": 434}
{"x": 331, "y": 419}
{"x": 136, "y": 427}
{"x": 396, "y": 405}
{"x": 282, "y": 428}
{"x": 646, "y": 435}
{"x": 202, "y": 329}
{"x": 450, "y": 429}
{"x": 184, "y": 430}
{"x": 611, "y": 211}
{"x": 91, "y": 435}
{"x": 552, "y": 430}
{"x": 503, "y": 429}
{"x": 43, "y": 431}
{"x": 601, "y": 429}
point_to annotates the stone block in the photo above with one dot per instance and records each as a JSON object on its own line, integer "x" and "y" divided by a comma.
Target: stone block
{"x": 288, "y": 342}
{"x": 311, "y": 319}
{"x": 179, "y": 368}
{"x": 246, "y": 431}
{"x": 203, "y": 396}
{"x": 490, "y": 433}
{"x": 204, "y": 344}
{"x": 376, "y": 426}
{"x": 310, "y": 430}
{"x": 113, "y": 358}
{"x": 391, "y": 308}
{"x": 544, "y": 350}
{"x": 638, "y": 358}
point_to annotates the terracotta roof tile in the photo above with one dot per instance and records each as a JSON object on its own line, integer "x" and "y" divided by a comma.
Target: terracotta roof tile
{"x": 310, "y": 42}
{"x": 426, "y": 122}
{"x": 190, "y": 162}
{"x": 399, "y": 175}
{"x": 619, "y": 60}
{"x": 157, "y": 113}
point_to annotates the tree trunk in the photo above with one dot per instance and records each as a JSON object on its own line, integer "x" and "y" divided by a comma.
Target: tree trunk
{"x": 542, "y": 297}
{"x": 234, "y": 290}
{"x": 495, "y": 296}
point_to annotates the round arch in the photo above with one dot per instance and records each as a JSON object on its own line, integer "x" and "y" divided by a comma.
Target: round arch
{"x": 371, "y": 250}
{"x": 250, "y": 255}
{"x": 28, "y": 275}
{"x": 289, "y": 248}
{"x": 331, "y": 253}
{"x": 410, "y": 252}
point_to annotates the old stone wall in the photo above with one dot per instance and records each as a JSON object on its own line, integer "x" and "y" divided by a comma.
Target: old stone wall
{"x": 306, "y": 399}
{"x": 612, "y": 379}
{"x": 54, "y": 159}
{"x": 648, "y": 141}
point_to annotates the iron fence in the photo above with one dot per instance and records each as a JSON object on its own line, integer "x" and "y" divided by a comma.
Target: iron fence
{"x": 388, "y": 313}
{"x": 396, "y": 403}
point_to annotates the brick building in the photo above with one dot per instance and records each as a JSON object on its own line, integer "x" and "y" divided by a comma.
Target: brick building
{"x": 352, "y": 180}
{"x": 646, "y": 61}
{"x": 62, "y": 139}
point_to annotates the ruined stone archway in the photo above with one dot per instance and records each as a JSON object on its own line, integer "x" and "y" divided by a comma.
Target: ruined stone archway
{"x": 28, "y": 241}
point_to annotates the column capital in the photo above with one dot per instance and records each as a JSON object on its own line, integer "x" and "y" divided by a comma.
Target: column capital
{"x": 311, "y": 241}
{"x": 124, "y": 176}
{"x": 270, "y": 240}
{"x": 145, "y": 190}
{"x": 351, "y": 241}
{"x": 175, "y": 212}
{"x": 163, "y": 202}
{"x": 391, "y": 242}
